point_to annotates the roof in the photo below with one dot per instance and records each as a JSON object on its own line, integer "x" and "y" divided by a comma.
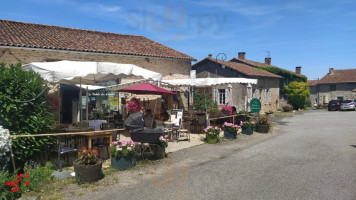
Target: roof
{"x": 312, "y": 82}
{"x": 22, "y": 34}
{"x": 339, "y": 76}
{"x": 242, "y": 68}
{"x": 254, "y": 63}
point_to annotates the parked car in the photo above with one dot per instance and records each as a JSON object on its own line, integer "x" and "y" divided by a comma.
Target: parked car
{"x": 334, "y": 105}
{"x": 348, "y": 104}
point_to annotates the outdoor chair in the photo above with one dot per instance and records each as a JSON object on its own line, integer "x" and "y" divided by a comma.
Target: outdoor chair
{"x": 64, "y": 147}
{"x": 101, "y": 143}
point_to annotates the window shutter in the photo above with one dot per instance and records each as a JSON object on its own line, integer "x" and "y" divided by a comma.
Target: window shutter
{"x": 269, "y": 96}
{"x": 266, "y": 96}
{"x": 214, "y": 95}
{"x": 226, "y": 95}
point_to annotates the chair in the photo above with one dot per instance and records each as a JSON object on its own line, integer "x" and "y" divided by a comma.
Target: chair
{"x": 183, "y": 130}
{"x": 177, "y": 117}
{"x": 64, "y": 147}
{"x": 104, "y": 142}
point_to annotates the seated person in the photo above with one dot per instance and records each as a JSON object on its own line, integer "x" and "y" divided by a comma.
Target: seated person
{"x": 148, "y": 118}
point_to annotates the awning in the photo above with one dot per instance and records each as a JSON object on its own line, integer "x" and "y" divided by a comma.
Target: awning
{"x": 209, "y": 81}
{"x": 70, "y": 72}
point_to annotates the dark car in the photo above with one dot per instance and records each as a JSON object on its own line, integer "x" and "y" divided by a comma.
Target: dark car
{"x": 334, "y": 105}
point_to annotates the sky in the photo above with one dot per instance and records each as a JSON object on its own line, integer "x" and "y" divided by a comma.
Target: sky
{"x": 316, "y": 35}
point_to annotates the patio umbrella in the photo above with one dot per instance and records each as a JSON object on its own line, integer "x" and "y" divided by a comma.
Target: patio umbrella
{"x": 147, "y": 88}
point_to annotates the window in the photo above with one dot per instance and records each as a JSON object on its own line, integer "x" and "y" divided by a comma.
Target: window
{"x": 222, "y": 96}
{"x": 332, "y": 87}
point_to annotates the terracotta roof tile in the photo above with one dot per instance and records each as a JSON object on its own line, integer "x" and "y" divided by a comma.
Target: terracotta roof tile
{"x": 312, "y": 82}
{"x": 339, "y": 76}
{"x": 254, "y": 63}
{"x": 242, "y": 68}
{"x": 21, "y": 34}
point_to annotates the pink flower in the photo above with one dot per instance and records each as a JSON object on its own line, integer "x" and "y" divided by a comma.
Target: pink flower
{"x": 129, "y": 148}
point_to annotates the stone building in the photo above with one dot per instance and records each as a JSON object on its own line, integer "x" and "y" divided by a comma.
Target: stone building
{"x": 337, "y": 84}
{"x": 266, "y": 90}
{"x": 29, "y": 42}
{"x": 287, "y": 76}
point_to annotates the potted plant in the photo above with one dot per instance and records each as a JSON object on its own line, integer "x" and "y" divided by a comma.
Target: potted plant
{"x": 212, "y": 134}
{"x": 230, "y": 130}
{"x": 88, "y": 167}
{"x": 247, "y": 127}
{"x": 123, "y": 154}
{"x": 160, "y": 148}
{"x": 262, "y": 125}
{"x": 134, "y": 105}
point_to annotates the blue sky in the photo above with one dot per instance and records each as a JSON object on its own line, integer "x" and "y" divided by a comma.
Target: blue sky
{"x": 316, "y": 35}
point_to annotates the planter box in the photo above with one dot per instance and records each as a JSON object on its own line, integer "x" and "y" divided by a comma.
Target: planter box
{"x": 230, "y": 135}
{"x": 88, "y": 173}
{"x": 211, "y": 139}
{"x": 262, "y": 128}
{"x": 123, "y": 163}
{"x": 248, "y": 131}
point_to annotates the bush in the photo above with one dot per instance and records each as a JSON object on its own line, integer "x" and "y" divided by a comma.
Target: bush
{"x": 24, "y": 110}
{"x": 13, "y": 186}
{"x": 298, "y": 94}
{"x": 287, "y": 108}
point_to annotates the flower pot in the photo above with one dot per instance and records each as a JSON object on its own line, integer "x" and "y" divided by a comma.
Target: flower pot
{"x": 230, "y": 135}
{"x": 88, "y": 173}
{"x": 248, "y": 131}
{"x": 211, "y": 139}
{"x": 159, "y": 152}
{"x": 262, "y": 128}
{"x": 123, "y": 163}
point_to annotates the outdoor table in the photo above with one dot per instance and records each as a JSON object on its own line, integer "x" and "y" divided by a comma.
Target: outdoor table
{"x": 95, "y": 135}
{"x": 96, "y": 124}
{"x": 169, "y": 126}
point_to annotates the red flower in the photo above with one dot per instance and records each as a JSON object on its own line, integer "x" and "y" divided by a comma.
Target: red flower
{"x": 27, "y": 183}
{"x": 10, "y": 184}
{"x": 21, "y": 175}
{"x": 16, "y": 182}
{"x": 15, "y": 189}
{"x": 26, "y": 176}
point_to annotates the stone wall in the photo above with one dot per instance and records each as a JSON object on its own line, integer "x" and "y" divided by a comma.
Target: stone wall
{"x": 239, "y": 91}
{"x": 170, "y": 68}
{"x": 343, "y": 90}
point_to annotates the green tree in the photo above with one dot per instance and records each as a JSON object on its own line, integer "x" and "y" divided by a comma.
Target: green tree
{"x": 298, "y": 94}
{"x": 24, "y": 110}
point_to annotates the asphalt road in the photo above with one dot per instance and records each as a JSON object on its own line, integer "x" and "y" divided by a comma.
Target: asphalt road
{"x": 313, "y": 157}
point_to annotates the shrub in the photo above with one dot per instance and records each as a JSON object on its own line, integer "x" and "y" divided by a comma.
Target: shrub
{"x": 247, "y": 124}
{"x": 24, "y": 110}
{"x": 298, "y": 94}
{"x": 287, "y": 108}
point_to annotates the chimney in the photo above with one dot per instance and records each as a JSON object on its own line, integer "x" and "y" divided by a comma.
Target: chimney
{"x": 298, "y": 70}
{"x": 331, "y": 71}
{"x": 268, "y": 60}
{"x": 241, "y": 55}
{"x": 210, "y": 55}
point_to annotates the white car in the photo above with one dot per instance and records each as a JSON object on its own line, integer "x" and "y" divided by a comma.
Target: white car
{"x": 348, "y": 104}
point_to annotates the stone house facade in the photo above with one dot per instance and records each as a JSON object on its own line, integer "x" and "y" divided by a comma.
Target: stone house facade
{"x": 337, "y": 84}
{"x": 266, "y": 89}
{"x": 268, "y": 63}
{"x": 29, "y": 42}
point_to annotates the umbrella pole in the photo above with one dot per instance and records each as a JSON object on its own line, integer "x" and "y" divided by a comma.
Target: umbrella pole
{"x": 153, "y": 115}
{"x": 80, "y": 103}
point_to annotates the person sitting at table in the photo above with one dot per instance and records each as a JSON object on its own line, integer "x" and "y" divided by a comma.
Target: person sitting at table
{"x": 148, "y": 119}
{"x": 234, "y": 111}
